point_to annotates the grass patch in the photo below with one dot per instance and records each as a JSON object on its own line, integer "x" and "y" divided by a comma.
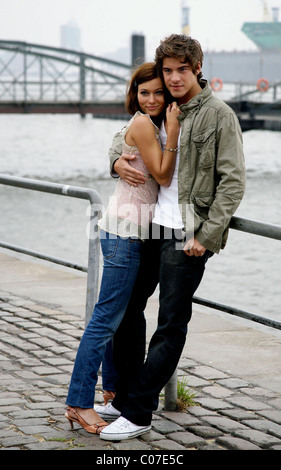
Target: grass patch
{"x": 185, "y": 396}
{"x": 70, "y": 442}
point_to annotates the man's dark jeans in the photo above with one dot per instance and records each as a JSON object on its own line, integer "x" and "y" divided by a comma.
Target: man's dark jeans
{"x": 179, "y": 275}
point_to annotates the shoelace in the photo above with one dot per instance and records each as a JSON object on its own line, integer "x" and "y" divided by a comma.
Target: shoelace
{"x": 124, "y": 423}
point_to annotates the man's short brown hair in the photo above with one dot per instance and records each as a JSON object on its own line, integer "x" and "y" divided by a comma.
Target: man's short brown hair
{"x": 184, "y": 48}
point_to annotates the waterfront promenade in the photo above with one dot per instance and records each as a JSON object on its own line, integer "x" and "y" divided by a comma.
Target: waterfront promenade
{"x": 233, "y": 366}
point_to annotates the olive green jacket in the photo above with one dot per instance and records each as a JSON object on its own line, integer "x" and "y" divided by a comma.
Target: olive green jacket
{"x": 211, "y": 175}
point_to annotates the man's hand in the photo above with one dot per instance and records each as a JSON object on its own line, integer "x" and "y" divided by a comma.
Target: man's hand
{"x": 194, "y": 248}
{"x": 129, "y": 174}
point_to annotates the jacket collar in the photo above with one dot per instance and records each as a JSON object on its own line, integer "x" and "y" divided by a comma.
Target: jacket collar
{"x": 198, "y": 100}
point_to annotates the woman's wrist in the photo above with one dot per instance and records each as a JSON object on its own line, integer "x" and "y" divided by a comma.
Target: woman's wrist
{"x": 168, "y": 149}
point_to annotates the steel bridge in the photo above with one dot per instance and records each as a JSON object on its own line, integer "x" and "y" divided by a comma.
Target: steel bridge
{"x": 41, "y": 79}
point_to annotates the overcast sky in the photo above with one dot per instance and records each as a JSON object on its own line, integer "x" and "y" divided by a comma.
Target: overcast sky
{"x": 107, "y": 25}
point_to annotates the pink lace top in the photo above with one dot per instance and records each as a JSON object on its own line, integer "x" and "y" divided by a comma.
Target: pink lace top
{"x": 130, "y": 208}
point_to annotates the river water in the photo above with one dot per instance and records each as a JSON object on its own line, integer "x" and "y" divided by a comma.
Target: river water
{"x": 70, "y": 150}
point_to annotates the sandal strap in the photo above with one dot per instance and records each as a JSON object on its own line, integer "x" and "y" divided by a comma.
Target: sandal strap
{"x": 101, "y": 425}
{"x": 79, "y": 418}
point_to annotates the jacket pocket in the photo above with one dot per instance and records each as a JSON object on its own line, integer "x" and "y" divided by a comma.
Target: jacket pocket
{"x": 205, "y": 147}
{"x": 204, "y": 201}
{"x": 202, "y": 204}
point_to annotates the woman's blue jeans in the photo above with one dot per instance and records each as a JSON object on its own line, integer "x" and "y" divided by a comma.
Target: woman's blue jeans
{"x": 109, "y": 374}
{"x": 121, "y": 263}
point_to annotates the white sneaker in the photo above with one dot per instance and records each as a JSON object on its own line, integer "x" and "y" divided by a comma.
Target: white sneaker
{"x": 122, "y": 429}
{"x": 107, "y": 412}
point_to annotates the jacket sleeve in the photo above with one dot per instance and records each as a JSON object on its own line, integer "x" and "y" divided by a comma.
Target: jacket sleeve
{"x": 230, "y": 187}
{"x": 114, "y": 153}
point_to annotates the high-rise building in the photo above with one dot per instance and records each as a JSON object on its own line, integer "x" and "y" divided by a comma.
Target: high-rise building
{"x": 185, "y": 18}
{"x": 70, "y": 36}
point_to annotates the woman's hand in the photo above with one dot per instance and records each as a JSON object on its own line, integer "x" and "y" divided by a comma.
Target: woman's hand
{"x": 172, "y": 114}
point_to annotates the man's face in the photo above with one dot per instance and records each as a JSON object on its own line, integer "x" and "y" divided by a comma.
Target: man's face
{"x": 180, "y": 80}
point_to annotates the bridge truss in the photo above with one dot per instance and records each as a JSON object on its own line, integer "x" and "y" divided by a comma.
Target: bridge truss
{"x": 41, "y": 79}
{"x": 38, "y": 78}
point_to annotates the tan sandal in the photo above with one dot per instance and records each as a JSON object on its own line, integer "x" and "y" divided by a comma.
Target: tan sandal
{"x": 72, "y": 415}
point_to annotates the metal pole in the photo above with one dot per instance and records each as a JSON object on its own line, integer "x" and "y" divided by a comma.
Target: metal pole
{"x": 171, "y": 393}
{"x": 25, "y": 76}
{"x": 256, "y": 228}
{"x": 41, "y": 77}
{"x": 93, "y": 261}
{"x": 82, "y": 82}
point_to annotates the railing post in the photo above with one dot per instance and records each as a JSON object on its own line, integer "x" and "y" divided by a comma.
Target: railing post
{"x": 82, "y": 82}
{"x": 93, "y": 262}
{"x": 25, "y": 76}
{"x": 171, "y": 393}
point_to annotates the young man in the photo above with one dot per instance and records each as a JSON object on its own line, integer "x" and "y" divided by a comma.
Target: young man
{"x": 209, "y": 177}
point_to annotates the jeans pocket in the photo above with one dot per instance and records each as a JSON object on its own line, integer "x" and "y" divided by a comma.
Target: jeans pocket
{"x": 135, "y": 240}
{"x": 109, "y": 247}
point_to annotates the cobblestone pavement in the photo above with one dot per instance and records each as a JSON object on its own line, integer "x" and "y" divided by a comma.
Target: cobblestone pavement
{"x": 38, "y": 347}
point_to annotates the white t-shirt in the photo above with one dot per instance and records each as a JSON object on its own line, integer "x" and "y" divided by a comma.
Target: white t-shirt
{"x": 167, "y": 211}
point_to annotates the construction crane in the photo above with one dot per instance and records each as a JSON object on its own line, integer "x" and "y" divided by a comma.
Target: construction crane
{"x": 267, "y": 16}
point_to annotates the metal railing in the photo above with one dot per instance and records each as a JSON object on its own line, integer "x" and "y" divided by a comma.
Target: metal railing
{"x": 256, "y": 228}
{"x": 237, "y": 223}
{"x": 243, "y": 225}
{"x": 94, "y": 251}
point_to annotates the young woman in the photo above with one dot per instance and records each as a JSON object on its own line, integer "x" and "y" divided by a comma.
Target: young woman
{"x": 123, "y": 228}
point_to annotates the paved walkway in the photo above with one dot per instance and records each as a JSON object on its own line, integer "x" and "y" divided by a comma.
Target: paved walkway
{"x": 233, "y": 369}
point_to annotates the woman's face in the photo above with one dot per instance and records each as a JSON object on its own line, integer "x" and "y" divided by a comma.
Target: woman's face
{"x": 151, "y": 97}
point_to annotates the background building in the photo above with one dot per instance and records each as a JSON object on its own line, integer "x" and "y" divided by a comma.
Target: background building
{"x": 70, "y": 36}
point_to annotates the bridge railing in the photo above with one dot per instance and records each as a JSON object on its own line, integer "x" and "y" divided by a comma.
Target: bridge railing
{"x": 271, "y": 92}
{"x": 39, "y": 73}
{"x": 237, "y": 223}
{"x": 35, "y": 73}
